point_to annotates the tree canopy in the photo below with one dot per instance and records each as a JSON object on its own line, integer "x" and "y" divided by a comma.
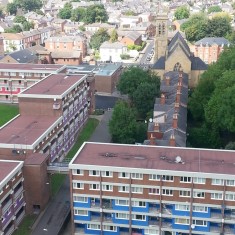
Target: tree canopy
{"x": 214, "y": 9}
{"x": 182, "y": 13}
{"x": 98, "y": 38}
{"x": 213, "y": 103}
{"x": 66, "y": 11}
{"x": 25, "y": 5}
{"x": 199, "y": 26}
{"x": 114, "y": 36}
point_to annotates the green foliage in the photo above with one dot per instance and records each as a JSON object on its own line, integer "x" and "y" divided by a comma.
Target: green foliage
{"x": 95, "y": 13}
{"x": 39, "y": 12}
{"x": 82, "y": 28}
{"x": 230, "y": 146}
{"x": 213, "y": 102}
{"x": 137, "y": 47}
{"x": 182, "y": 13}
{"x": 78, "y": 14}
{"x": 123, "y": 125}
{"x": 66, "y": 11}
{"x": 98, "y": 38}
{"x": 125, "y": 56}
{"x": 19, "y": 19}
{"x": 142, "y": 87}
{"x": 1, "y": 12}
{"x": 28, "y": 25}
{"x": 199, "y": 26}
{"x": 114, "y": 36}
{"x": 214, "y": 9}
{"x": 129, "y": 13}
{"x": 11, "y": 8}
{"x": 14, "y": 29}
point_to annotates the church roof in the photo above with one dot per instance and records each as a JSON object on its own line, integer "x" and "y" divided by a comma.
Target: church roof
{"x": 198, "y": 64}
{"x": 160, "y": 63}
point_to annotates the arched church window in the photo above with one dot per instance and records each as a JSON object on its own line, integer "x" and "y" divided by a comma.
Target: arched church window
{"x": 163, "y": 28}
{"x": 177, "y": 67}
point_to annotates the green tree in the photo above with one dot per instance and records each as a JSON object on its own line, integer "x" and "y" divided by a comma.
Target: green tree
{"x": 214, "y": 9}
{"x": 19, "y": 19}
{"x": 28, "y": 25}
{"x": 11, "y": 8}
{"x": 182, "y": 13}
{"x": 142, "y": 87}
{"x": 66, "y": 11}
{"x": 230, "y": 146}
{"x": 14, "y": 29}
{"x": 39, "y": 12}
{"x": 29, "y": 5}
{"x": 78, "y": 14}
{"x": 95, "y": 13}
{"x": 98, "y": 38}
{"x": 114, "y": 36}
{"x": 123, "y": 125}
{"x": 129, "y": 13}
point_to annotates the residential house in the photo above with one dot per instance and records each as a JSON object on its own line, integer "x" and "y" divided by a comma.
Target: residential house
{"x": 59, "y": 23}
{"x": 96, "y": 26}
{"x": 13, "y": 41}
{"x": 209, "y": 49}
{"x": 132, "y": 38}
{"x": 112, "y": 51}
{"x": 146, "y": 17}
{"x": 129, "y": 21}
{"x": 71, "y": 27}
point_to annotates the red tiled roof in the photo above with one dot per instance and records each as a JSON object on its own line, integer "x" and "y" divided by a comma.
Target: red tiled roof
{"x": 149, "y": 157}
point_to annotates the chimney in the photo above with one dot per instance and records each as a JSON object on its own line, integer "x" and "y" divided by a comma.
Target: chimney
{"x": 180, "y": 76}
{"x": 175, "y": 120}
{"x": 172, "y": 140}
{"x": 163, "y": 99}
{"x": 152, "y": 139}
{"x": 179, "y": 86}
{"x": 167, "y": 80}
{"x": 156, "y": 127}
{"x": 178, "y": 94}
{"x": 177, "y": 105}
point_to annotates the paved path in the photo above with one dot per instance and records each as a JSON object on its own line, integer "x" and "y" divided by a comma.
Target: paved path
{"x": 51, "y": 220}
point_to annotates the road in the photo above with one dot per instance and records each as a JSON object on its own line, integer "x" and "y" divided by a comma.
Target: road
{"x": 50, "y": 222}
{"x": 147, "y": 51}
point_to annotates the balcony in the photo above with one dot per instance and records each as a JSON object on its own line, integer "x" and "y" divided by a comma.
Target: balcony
{"x": 7, "y": 205}
{"x": 9, "y": 230}
{"x": 20, "y": 217}
{"x": 107, "y": 219}
{"x": 18, "y": 191}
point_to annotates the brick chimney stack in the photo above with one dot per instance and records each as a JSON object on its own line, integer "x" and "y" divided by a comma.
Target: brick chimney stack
{"x": 179, "y": 86}
{"x": 178, "y": 94}
{"x": 152, "y": 140}
{"x": 175, "y": 120}
{"x": 177, "y": 106}
{"x": 156, "y": 127}
{"x": 172, "y": 140}
{"x": 180, "y": 76}
{"x": 168, "y": 79}
{"x": 163, "y": 99}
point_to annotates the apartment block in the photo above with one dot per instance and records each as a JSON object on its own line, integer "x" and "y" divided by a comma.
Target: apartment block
{"x": 12, "y": 201}
{"x": 15, "y": 78}
{"x": 52, "y": 113}
{"x": 138, "y": 190}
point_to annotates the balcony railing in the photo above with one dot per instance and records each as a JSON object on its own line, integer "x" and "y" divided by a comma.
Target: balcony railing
{"x": 20, "y": 217}
{"x": 18, "y": 192}
{"x": 7, "y": 205}
{"x": 9, "y": 231}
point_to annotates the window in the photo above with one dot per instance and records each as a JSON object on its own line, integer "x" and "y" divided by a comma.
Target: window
{"x": 138, "y": 203}
{"x": 181, "y": 221}
{"x": 185, "y": 179}
{"x": 122, "y": 216}
{"x": 12, "y": 74}
{"x": 200, "y": 208}
{"x": 199, "y": 223}
{"x": 94, "y": 173}
{"x": 121, "y": 202}
{"x": 123, "y": 189}
{"x": 107, "y": 187}
{"x": 137, "y": 176}
{"x": 124, "y": 175}
{"x": 230, "y": 196}
{"x": 154, "y": 191}
{"x": 80, "y": 199}
{"x": 217, "y": 182}
{"x": 180, "y": 207}
{"x": 28, "y": 74}
{"x": 167, "y": 178}
{"x": 94, "y": 187}
{"x": 198, "y": 180}
{"x": 78, "y": 185}
{"x": 230, "y": 182}
{"x": 167, "y": 192}
{"x": 93, "y": 226}
{"x": 80, "y": 212}
{"x": 77, "y": 172}
{"x": 107, "y": 173}
{"x": 138, "y": 217}
{"x": 185, "y": 193}
{"x": 109, "y": 228}
{"x": 217, "y": 196}
{"x": 136, "y": 190}
{"x": 198, "y": 194}
{"x": 154, "y": 177}
{"x": 151, "y": 231}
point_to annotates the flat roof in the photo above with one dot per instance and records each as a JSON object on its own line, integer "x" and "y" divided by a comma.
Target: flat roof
{"x": 24, "y": 130}
{"x": 7, "y": 169}
{"x": 157, "y": 158}
{"x": 54, "y": 84}
{"x": 26, "y": 67}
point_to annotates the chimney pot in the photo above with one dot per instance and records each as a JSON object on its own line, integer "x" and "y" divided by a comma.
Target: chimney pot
{"x": 163, "y": 99}
{"x": 167, "y": 80}
{"x": 175, "y": 120}
{"x": 152, "y": 139}
{"x": 172, "y": 140}
{"x": 156, "y": 127}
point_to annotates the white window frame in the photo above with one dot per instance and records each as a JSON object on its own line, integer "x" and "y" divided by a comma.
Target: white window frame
{"x": 138, "y": 190}
{"x": 182, "y": 207}
{"x": 108, "y": 228}
{"x": 217, "y": 182}
{"x": 120, "y": 189}
{"x": 199, "y": 180}
{"x": 168, "y": 178}
{"x": 217, "y": 196}
{"x": 93, "y": 226}
{"x": 122, "y": 216}
{"x": 167, "y": 192}
{"x": 94, "y": 173}
{"x": 230, "y": 196}
{"x": 182, "y": 193}
{"x": 196, "y": 194}
{"x": 107, "y": 187}
{"x": 75, "y": 185}
{"x": 126, "y": 175}
{"x": 117, "y": 202}
{"x": 154, "y": 177}
{"x": 94, "y": 187}
{"x": 230, "y": 182}
{"x": 197, "y": 223}
{"x": 80, "y": 212}
{"x": 182, "y": 221}
{"x": 133, "y": 216}
{"x": 151, "y": 231}
{"x": 154, "y": 191}
{"x": 202, "y": 209}
{"x": 82, "y": 199}
{"x": 107, "y": 173}
{"x": 78, "y": 172}
{"x": 185, "y": 179}
{"x": 137, "y": 176}
{"x": 138, "y": 204}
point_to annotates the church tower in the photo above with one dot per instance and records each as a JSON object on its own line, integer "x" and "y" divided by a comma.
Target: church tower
{"x": 161, "y": 41}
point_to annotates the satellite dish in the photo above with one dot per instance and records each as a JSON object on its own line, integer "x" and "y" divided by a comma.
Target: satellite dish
{"x": 193, "y": 226}
{"x": 150, "y": 120}
{"x": 178, "y": 159}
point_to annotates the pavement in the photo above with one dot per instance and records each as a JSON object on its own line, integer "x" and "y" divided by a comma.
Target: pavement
{"x": 52, "y": 218}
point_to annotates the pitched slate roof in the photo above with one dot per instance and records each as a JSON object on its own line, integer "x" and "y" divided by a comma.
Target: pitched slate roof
{"x": 160, "y": 63}
{"x": 198, "y": 64}
{"x": 220, "y": 41}
{"x": 133, "y": 35}
{"x": 23, "y": 56}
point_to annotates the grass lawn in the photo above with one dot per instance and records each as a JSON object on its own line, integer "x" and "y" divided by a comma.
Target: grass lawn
{"x": 7, "y": 112}
{"x": 25, "y": 226}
